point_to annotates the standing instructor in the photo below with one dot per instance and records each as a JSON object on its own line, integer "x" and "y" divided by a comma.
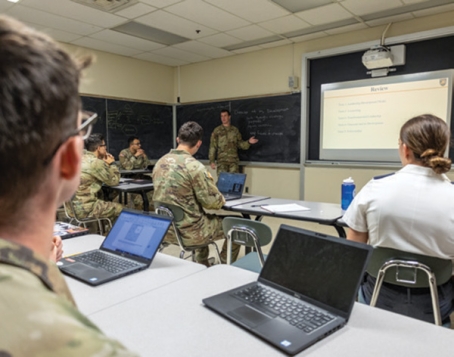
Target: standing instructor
{"x": 224, "y": 144}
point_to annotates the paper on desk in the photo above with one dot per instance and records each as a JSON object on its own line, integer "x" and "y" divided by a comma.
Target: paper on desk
{"x": 290, "y": 207}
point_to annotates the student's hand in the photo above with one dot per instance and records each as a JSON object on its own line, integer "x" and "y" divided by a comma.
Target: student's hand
{"x": 139, "y": 152}
{"x": 109, "y": 159}
{"x": 213, "y": 166}
{"x": 252, "y": 140}
{"x": 56, "y": 252}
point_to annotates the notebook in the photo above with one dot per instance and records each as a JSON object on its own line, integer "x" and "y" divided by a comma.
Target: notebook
{"x": 231, "y": 185}
{"x": 67, "y": 230}
{"x": 305, "y": 291}
{"x": 129, "y": 247}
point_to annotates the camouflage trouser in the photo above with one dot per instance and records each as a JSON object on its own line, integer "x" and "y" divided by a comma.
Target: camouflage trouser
{"x": 227, "y": 167}
{"x": 138, "y": 201}
{"x": 201, "y": 255}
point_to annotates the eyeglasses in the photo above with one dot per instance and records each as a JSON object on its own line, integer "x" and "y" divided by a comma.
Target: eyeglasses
{"x": 138, "y": 144}
{"x": 88, "y": 120}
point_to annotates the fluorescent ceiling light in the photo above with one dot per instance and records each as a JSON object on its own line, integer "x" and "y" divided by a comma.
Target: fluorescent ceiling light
{"x": 13, "y": 0}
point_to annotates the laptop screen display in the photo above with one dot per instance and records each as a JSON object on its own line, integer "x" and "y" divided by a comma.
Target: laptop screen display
{"x": 228, "y": 183}
{"x": 137, "y": 234}
{"x": 326, "y": 269}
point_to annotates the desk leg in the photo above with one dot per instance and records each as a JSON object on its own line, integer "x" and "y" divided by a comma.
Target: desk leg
{"x": 146, "y": 204}
{"x": 341, "y": 231}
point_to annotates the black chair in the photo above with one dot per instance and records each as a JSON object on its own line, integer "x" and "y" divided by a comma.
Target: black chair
{"x": 71, "y": 214}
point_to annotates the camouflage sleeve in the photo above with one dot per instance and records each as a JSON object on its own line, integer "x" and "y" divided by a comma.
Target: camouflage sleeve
{"x": 107, "y": 174}
{"x": 242, "y": 144}
{"x": 213, "y": 147}
{"x": 126, "y": 161}
{"x": 205, "y": 189}
{"x": 141, "y": 162}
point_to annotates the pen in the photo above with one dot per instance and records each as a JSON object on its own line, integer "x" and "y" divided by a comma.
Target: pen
{"x": 258, "y": 205}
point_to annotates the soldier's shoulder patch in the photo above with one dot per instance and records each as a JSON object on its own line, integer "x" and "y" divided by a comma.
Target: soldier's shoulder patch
{"x": 383, "y": 176}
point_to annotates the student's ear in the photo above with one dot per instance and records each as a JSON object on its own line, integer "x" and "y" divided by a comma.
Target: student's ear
{"x": 70, "y": 157}
{"x": 178, "y": 140}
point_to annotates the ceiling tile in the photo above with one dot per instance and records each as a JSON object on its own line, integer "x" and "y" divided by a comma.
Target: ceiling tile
{"x": 52, "y": 21}
{"x": 220, "y": 40}
{"x": 135, "y": 11}
{"x": 105, "y": 46}
{"x": 61, "y": 36}
{"x": 153, "y": 57}
{"x": 347, "y": 28}
{"x": 324, "y": 14}
{"x": 311, "y": 36}
{"x": 363, "y": 7}
{"x": 248, "y": 49}
{"x": 248, "y": 33}
{"x": 126, "y": 40}
{"x": 175, "y": 24}
{"x": 160, "y": 3}
{"x": 72, "y": 10}
{"x": 434, "y": 10}
{"x": 284, "y": 24}
{"x": 180, "y": 54}
{"x": 388, "y": 19}
{"x": 207, "y": 15}
{"x": 5, "y": 5}
{"x": 276, "y": 43}
{"x": 203, "y": 49}
{"x": 248, "y": 9}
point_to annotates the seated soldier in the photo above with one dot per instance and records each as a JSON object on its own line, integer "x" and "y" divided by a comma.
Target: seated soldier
{"x": 181, "y": 180}
{"x": 97, "y": 169}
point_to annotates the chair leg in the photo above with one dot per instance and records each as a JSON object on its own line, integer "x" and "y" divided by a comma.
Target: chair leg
{"x": 217, "y": 251}
{"x": 229, "y": 250}
{"x": 377, "y": 287}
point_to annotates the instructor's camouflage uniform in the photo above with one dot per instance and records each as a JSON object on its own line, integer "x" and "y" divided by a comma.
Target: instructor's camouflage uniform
{"x": 181, "y": 180}
{"x": 88, "y": 201}
{"x": 129, "y": 162}
{"x": 224, "y": 144}
{"x": 39, "y": 316}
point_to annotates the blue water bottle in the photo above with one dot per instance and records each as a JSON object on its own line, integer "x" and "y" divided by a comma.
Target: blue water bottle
{"x": 348, "y": 192}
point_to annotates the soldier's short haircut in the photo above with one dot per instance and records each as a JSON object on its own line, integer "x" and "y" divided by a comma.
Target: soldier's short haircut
{"x": 225, "y": 111}
{"x": 39, "y": 106}
{"x": 131, "y": 139}
{"x": 93, "y": 142}
{"x": 190, "y": 133}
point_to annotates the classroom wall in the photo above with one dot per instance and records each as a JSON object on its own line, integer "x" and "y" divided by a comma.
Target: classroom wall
{"x": 249, "y": 74}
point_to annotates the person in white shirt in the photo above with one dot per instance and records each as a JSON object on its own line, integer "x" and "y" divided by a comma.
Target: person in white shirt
{"x": 411, "y": 210}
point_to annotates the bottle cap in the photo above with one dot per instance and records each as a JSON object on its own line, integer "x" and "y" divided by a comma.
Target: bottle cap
{"x": 349, "y": 180}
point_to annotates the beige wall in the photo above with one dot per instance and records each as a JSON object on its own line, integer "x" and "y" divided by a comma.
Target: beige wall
{"x": 250, "y": 74}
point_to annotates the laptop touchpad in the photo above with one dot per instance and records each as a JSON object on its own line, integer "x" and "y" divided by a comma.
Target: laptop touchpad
{"x": 249, "y": 316}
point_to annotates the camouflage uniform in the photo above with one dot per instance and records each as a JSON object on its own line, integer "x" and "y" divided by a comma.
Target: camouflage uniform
{"x": 38, "y": 313}
{"x": 129, "y": 162}
{"x": 224, "y": 144}
{"x": 181, "y": 180}
{"x": 88, "y": 201}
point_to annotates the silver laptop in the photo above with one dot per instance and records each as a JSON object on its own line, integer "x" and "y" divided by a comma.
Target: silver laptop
{"x": 129, "y": 247}
{"x": 305, "y": 291}
{"x": 231, "y": 185}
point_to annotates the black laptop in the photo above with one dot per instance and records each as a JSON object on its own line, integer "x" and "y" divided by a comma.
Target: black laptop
{"x": 231, "y": 185}
{"x": 305, "y": 291}
{"x": 129, "y": 247}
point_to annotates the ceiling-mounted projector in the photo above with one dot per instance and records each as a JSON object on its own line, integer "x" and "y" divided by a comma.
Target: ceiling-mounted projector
{"x": 379, "y": 57}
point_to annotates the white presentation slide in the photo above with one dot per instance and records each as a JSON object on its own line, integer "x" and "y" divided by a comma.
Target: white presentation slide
{"x": 370, "y": 116}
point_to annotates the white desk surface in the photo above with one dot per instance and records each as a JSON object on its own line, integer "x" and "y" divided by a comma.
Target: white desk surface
{"x": 163, "y": 270}
{"x": 172, "y": 321}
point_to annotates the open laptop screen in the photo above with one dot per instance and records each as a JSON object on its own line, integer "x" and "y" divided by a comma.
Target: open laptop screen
{"x": 138, "y": 234}
{"x": 228, "y": 182}
{"x": 325, "y": 269}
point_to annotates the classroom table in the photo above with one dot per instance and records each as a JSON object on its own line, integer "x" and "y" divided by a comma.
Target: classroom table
{"x": 128, "y": 186}
{"x": 129, "y": 173}
{"x": 243, "y": 200}
{"x": 172, "y": 321}
{"x": 163, "y": 270}
{"x": 319, "y": 212}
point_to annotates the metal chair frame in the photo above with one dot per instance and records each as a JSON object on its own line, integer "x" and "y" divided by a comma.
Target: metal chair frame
{"x": 84, "y": 221}
{"x": 407, "y": 263}
{"x": 245, "y": 232}
{"x": 177, "y": 214}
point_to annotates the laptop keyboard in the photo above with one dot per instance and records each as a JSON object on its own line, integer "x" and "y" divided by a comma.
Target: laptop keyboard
{"x": 108, "y": 262}
{"x": 298, "y": 314}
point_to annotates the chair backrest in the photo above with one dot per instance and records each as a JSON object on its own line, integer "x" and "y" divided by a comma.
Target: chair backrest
{"x": 176, "y": 213}
{"x": 411, "y": 277}
{"x": 239, "y": 229}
